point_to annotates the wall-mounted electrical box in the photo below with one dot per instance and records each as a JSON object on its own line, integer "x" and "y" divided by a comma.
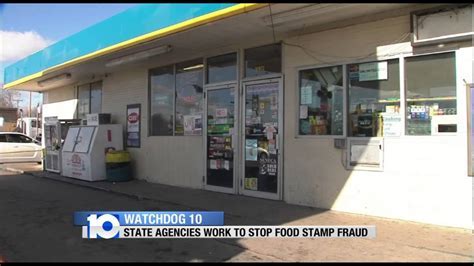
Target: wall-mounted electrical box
{"x": 365, "y": 154}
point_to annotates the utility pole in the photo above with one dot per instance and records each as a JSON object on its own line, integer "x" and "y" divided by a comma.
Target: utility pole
{"x": 29, "y": 110}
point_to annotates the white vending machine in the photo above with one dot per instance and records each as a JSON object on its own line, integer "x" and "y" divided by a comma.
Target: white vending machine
{"x": 55, "y": 131}
{"x": 85, "y": 147}
{"x": 52, "y": 140}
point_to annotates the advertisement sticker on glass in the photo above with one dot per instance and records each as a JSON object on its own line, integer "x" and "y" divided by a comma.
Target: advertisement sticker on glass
{"x": 392, "y": 125}
{"x": 373, "y": 71}
{"x": 306, "y": 95}
{"x": 192, "y": 124}
{"x": 251, "y": 149}
{"x": 303, "y": 111}
{"x": 221, "y": 112}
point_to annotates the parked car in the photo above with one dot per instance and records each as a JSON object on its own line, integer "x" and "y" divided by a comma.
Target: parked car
{"x": 29, "y": 126}
{"x": 17, "y": 147}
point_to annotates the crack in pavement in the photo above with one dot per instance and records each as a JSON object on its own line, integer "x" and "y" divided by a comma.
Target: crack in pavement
{"x": 441, "y": 251}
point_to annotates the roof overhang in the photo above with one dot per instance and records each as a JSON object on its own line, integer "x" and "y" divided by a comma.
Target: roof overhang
{"x": 132, "y": 27}
{"x": 189, "y": 37}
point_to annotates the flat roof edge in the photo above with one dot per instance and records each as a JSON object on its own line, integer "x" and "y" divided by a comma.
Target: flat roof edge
{"x": 181, "y": 26}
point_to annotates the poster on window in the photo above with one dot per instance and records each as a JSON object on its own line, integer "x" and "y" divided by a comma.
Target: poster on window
{"x": 392, "y": 125}
{"x": 192, "y": 125}
{"x": 373, "y": 71}
{"x": 133, "y": 125}
{"x": 251, "y": 149}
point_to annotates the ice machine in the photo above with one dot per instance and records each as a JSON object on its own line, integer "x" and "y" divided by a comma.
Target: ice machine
{"x": 85, "y": 147}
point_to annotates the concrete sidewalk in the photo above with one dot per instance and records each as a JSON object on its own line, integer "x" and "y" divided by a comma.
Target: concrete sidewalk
{"x": 396, "y": 240}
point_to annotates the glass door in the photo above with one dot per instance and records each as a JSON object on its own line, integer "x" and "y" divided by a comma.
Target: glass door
{"x": 221, "y": 121}
{"x": 262, "y": 133}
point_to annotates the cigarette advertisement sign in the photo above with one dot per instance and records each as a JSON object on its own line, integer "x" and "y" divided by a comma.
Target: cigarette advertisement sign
{"x": 133, "y": 125}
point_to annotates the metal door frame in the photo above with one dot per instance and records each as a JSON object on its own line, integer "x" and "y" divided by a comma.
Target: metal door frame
{"x": 235, "y": 138}
{"x": 242, "y": 190}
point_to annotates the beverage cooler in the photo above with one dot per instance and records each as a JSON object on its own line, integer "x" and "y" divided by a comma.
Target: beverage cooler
{"x": 85, "y": 147}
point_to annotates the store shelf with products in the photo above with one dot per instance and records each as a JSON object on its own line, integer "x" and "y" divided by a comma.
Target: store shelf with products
{"x": 425, "y": 116}
{"x": 446, "y": 98}
{"x": 367, "y": 119}
{"x": 432, "y": 116}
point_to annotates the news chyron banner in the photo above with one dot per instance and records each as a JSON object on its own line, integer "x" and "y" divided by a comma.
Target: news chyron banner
{"x": 202, "y": 224}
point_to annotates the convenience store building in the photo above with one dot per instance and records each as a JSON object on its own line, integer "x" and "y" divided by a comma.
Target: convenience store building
{"x": 359, "y": 108}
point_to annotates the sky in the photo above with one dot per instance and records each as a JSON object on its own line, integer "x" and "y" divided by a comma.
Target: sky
{"x": 28, "y": 28}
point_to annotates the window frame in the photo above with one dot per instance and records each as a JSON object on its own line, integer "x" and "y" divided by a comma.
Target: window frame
{"x": 89, "y": 85}
{"x": 402, "y": 89}
{"x": 176, "y": 94}
{"x": 149, "y": 122}
{"x": 344, "y": 102}
{"x": 206, "y": 58}
{"x": 456, "y": 85}
{"x": 244, "y": 78}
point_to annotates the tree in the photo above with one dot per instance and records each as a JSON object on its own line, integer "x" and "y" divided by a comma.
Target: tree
{"x": 8, "y": 98}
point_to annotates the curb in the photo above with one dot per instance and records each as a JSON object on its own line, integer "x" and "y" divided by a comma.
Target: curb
{"x": 129, "y": 195}
{"x": 86, "y": 185}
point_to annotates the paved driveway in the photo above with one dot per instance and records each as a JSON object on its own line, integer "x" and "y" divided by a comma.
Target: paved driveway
{"x": 37, "y": 225}
{"x": 20, "y": 167}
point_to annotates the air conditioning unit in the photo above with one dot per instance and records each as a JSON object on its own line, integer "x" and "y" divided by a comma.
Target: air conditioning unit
{"x": 442, "y": 24}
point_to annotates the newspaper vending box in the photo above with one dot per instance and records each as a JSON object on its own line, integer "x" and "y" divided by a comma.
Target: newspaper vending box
{"x": 85, "y": 147}
{"x": 55, "y": 131}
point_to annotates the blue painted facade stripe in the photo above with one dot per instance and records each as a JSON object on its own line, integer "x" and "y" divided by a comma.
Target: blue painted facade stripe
{"x": 134, "y": 22}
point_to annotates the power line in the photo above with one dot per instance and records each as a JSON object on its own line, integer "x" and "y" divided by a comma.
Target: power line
{"x": 271, "y": 18}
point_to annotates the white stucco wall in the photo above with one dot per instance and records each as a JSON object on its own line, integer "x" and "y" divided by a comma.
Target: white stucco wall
{"x": 60, "y": 102}
{"x": 424, "y": 178}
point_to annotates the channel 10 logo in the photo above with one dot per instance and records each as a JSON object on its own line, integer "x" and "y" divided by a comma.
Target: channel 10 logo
{"x": 103, "y": 226}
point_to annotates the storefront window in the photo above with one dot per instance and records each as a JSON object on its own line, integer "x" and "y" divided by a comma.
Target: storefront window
{"x": 83, "y": 101}
{"x": 161, "y": 101}
{"x": 263, "y": 60}
{"x": 89, "y": 99}
{"x": 222, "y": 68}
{"x": 321, "y": 101}
{"x": 189, "y": 94}
{"x": 374, "y": 99}
{"x": 431, "y": 94}
{"x": 96, "y": 97}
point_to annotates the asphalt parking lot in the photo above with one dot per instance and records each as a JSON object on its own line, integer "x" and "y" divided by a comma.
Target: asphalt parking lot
{"x": 19, "y": 167}
{"x": 37, "y": 226}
